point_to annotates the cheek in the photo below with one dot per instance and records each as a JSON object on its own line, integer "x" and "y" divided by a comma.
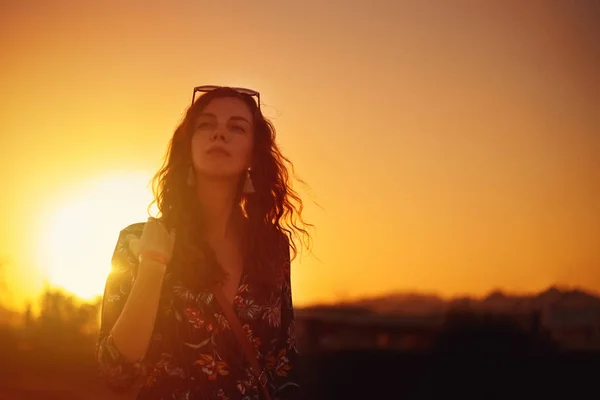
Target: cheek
{"x": 245, "y": 153}
{"x": 197, "y": 149}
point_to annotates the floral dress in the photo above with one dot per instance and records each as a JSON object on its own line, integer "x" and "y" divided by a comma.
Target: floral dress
{"x": 205, "y": 361}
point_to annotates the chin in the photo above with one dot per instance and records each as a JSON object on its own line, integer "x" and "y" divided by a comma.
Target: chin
{"x": 221, "y": 174}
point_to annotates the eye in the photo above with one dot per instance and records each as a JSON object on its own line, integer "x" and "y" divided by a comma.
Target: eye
{"x": 204, "y": 125}
{"x": 238, "y": 128}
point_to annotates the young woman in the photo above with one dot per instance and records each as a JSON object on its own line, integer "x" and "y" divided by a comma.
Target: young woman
{"x": 185, "y": 289}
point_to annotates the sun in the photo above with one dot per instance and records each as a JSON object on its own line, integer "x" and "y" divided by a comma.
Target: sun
{"x": 80, "y": 234}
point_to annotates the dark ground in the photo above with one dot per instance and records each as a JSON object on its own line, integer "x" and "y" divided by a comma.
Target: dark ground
{"x": 389, "y": 375}
{"x": 479, "y": 357}
{"x": 372, "y": 375}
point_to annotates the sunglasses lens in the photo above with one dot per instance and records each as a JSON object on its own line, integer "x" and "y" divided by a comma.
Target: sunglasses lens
{"x": 208, "y": 88}
{"x": 246, "y": 91}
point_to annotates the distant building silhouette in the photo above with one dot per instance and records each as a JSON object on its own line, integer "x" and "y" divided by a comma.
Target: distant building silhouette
{"x": 409, "y": 322}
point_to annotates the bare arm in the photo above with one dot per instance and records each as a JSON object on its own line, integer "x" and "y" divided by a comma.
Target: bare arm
{"x": 132, "y": 331}
{"x": 129, "y": 307}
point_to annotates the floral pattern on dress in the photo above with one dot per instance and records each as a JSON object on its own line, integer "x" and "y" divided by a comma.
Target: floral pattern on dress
{"x": 212, "y": 367}
{"x": 205, "y": 362}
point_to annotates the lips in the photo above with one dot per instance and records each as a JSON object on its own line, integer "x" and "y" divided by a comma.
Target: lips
{"x": 218, "y": 150}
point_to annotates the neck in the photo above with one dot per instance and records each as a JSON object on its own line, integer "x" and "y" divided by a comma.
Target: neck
{"x": 217, "y": 198}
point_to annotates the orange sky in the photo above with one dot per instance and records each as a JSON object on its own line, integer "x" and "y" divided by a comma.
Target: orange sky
{"x": 454, "y": 147}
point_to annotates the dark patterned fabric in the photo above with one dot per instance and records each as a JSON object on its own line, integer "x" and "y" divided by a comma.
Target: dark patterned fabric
{"x": 205, "y": 361}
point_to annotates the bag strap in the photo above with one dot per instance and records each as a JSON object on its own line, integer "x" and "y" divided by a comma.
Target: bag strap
{"x": 249, "y": 350}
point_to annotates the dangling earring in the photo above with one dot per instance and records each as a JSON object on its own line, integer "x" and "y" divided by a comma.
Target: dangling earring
{"x": 191, "y": 179}
{"x": 248, "y": 186}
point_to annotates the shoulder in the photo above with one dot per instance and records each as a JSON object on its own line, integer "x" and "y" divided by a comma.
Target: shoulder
{"x": 122, "y": 256}
{"x": 133, "y": 229}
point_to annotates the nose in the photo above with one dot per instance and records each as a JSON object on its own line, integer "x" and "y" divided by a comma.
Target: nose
{"x": 218, "y": 134}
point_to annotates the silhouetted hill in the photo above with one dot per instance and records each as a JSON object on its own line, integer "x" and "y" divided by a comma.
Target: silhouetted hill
{"x": 496, "y": 301}
{"x": 8, "y": 317}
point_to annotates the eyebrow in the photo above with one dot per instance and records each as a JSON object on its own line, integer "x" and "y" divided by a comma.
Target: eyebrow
{"x": 234, "y": 118}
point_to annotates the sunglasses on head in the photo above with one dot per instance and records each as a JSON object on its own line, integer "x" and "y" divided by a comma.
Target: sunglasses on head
{"x": 209, "y": 88}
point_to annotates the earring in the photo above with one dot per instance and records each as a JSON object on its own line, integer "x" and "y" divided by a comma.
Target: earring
{"x": 191, "y": 179}
{"x": 248, "y": 186}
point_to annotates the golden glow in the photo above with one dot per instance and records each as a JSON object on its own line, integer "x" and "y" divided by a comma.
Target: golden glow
{"x": 76, "y": 247}
{"x": 453, "y": 149}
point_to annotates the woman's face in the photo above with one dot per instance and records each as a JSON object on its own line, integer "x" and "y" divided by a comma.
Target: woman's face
{"x": 223, "y": 138}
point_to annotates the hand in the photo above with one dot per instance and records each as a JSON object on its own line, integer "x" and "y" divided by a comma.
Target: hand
{"x": 155, "y": 238}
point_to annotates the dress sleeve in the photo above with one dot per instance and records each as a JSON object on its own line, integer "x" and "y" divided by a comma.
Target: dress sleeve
{"x": 118, "y": 373}
{"x": 287, "y": 371}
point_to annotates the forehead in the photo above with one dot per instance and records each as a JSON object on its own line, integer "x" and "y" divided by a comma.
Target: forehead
{"x": 227, "y": 107}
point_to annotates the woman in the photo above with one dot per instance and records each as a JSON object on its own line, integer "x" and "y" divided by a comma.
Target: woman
{"x": 219, "y": 252}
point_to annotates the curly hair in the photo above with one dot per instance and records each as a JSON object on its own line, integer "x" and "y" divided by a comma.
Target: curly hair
{"x": 273, "y": 212}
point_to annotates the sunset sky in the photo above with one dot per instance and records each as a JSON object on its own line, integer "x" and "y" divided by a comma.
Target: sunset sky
{"x": 453, "y": 146}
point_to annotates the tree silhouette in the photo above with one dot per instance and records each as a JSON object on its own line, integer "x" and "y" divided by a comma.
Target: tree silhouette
{"x": 61, "y": 336}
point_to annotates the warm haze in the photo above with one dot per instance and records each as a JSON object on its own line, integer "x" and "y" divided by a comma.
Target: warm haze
{"x": 454, "y": 147}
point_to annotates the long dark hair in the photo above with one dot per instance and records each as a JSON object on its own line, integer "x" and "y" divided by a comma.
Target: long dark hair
{"x": 273, "y": 212}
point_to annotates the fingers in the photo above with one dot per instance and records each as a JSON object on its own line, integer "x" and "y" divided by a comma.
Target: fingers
{"x": 156, "y": 221}
{"x": 157, "y": 236}
{"x": 134, "y": 245}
